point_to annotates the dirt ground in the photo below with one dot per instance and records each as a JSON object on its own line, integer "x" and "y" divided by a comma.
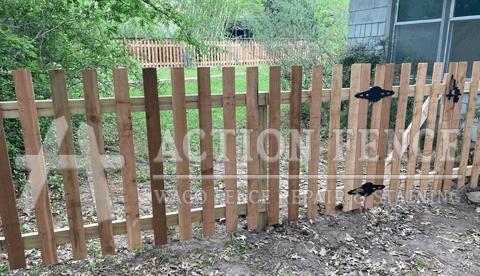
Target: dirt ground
{"x": 439, "y": 237}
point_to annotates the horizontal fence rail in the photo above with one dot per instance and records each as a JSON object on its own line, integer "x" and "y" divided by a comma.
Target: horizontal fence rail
{"x": 167, "y": 53}
{"x": 368, "y": 155}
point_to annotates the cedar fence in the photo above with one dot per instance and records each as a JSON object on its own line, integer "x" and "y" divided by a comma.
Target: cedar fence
{"x": 167, "y": 53}
{"x": 262, "y": 112}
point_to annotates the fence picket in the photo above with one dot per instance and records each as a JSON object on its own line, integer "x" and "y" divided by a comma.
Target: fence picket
{"x": 294, "y": 142}
{"x": 36, "y": 164}
{"x": 273, "y": 144}
{"x": 399, "y": 129}
{"x": 97, "y": 158}
{"x": 444, "y": 123}
{"x": 315, "y": 121}
{"x": 469, "y": 117}
{"x": 127, "y": 150}
{"x": 183, "y": 170}
{"x": 206, "y": 147}
{"x": 333, "y": 137}
{"x": 352, "y": 131}
{"x": 154, "y": 137}
{"x": 449, "y": 163}
{"x": 8, "y": 208}
{"x": 230, "y": 126}
{"x": 430, "y": 126}
{"x": 416, "y": 123}
{"x": 58, "y": 86}
{"x": 252, "y": 155}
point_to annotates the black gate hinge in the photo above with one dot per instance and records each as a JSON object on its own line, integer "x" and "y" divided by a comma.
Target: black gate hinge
{"x": 456, "y": 91}
{"x": 374, "y": 94}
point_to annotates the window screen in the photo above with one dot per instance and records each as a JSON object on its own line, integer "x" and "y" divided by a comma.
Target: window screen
{"x": 466, "y": 8}
{"x": 465, "y": 41}
{"x": 417, "y": 42}
{"x": 411, "y": 10}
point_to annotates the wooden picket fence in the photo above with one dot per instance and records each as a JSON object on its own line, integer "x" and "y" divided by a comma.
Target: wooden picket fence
{"x": 167, "y": 53}
{"x": 262, "y": 112}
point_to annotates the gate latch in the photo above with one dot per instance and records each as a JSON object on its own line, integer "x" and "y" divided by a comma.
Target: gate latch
{"x": 456, "y": 91}
{"x": 374, "y": 94}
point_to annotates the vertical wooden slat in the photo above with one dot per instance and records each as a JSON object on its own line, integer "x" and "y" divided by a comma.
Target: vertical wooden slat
{"x": 273, "y": 144}
{"x": 183, "y": 170}
{"x": 230, "y": 126}
{"x": 262, "y": 163}
{"x": 469, "y": 117}
{"x": 206, "y": 147}
{"x": 154, "y": 137}
{"x": 416, "y": 122}
{"x": 97, "y": 158}
{"x": 374, "y": 136}
{"x": 127, "y": 150}
{"x": 361, "y": 125}
{"x": 294, "y": 142}
{"x": 252, "y": 156}
{"x": 352, "y": 133}
{"x": 333, "y": 133}
{"x": 449, "y": 163}
{"x": 315, "y": 121}
{"x": 8, "y": 208}
{"x": 36, "y": 164}
{"x": 430, "y": 126}
{"x": 442, "y": 151}
{"x": 399, "y": 129}
{"x": 68, "y": 163}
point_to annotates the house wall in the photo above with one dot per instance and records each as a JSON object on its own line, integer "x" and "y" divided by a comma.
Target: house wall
{"x": 369, "y": 21}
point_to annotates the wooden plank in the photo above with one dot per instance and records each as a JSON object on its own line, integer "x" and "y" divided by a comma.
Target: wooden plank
{"x": 375, "y": 131}
{"x": 445, "y": 124}
{"x": 294, "y": 142}
{"x": 469, "y": 118}
{"x": 449, "y": 163}
{"x": 58, "y": 86}
{"x": 361, "y": 125}
{"x": 182, "y": 163}
{"x": 400, "y": 129}
{"x": 352, "y": 133}
{"x": 273, "y": 144}
{"x": 230, "y": 126}
{"x": 416, "y": 123}
{"x": 252, "y": 155}
{"x": 430, "y": 126}
{"x": 154, "y": 138}
{"x": 97, "y": 159}
{"x": 333, "y": 137}
{"x": 206, "y": 147}
{"x": 8, "y": 208}
{"x": 262, "y": 163}
{"x": 315, "y": 121}
{"x": 36, "y": 164}
{"x": 127, "y": 150}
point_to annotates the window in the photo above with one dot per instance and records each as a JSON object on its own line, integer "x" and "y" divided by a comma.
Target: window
{"x": 466, "y": 8}
{"x": 412, "y": 10}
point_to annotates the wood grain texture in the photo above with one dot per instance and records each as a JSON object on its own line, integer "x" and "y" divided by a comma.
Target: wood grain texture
{"x": 333, "y": 138}
{"x": 154, "y": 138}
{"x": 230, "y": 126}
{"x": 97, "y": 159}
{"x": 8, "y": 208}
{"x": 416, "y": 123}
{"x": 36, "y": 164}
{"x": 273, "y": 144}
{"x": 294, "y": 142}
{"x": 58, "y": 86}
{"x": 127, "y": 150}
{"x": 206, "y": 148}
{"x": 182, "y": 162}
{"x": 252, "y": 152}
{"x": 430, "y": 125}
{"x": 315, "y": 120}
{"x": 399, "y": 129}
